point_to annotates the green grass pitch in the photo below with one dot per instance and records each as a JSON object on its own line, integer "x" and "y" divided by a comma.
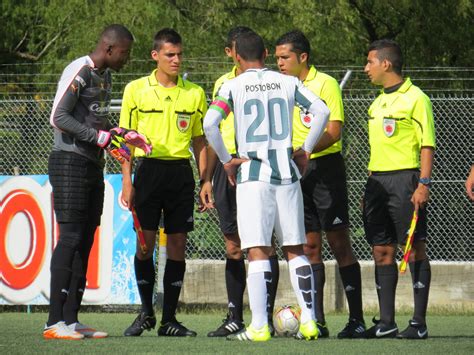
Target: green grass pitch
{"x": 22, "y": 333}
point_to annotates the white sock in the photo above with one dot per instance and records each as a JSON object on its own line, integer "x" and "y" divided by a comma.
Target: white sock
{"x": 257, "y": 288}
{"x": 302, "y": 281}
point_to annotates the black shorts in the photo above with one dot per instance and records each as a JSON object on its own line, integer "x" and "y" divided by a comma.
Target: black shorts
{"x": 224, "y": 198}
{"x": 78, "y": 188}
{"x": 388, "y": 209}
{"x": 166, "y": 185}
{"x": 325, "y": 194}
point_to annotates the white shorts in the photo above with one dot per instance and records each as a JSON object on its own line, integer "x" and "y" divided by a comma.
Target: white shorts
{"x": 263, "y": 207}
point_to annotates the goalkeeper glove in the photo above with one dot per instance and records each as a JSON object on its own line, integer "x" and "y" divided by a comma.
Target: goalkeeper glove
{"x": 134, "y": 138}
{"x": 115, "y": 145}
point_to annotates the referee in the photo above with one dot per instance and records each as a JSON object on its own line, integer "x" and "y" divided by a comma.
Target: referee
{"x": 402, "y": 142}
{"x": 169, "y": 111}
{"x": 324, "y": 184}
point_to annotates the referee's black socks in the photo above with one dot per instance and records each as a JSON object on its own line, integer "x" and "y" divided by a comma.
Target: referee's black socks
{"x": 421, "y": 278}
{"x": 386, "y": 277}
{"x": 145, "y": 275}
{"x": 351, "y": 280}
{"x": 172, "y": 283}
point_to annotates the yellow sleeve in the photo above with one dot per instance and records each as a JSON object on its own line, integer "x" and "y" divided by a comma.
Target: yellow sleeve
{"x": 128, "y": 113}
{"x": 201, "y": 112}
{"x": 423, "y": 115}
{"x": 331, "y": 94}
{"x": 217, "y": 85}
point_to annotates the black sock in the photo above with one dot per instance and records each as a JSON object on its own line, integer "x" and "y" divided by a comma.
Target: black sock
{"x": 351, "y": 279}
{"x": 78, "y": 278}
{"x": 235, "y": 281}
{"x": 272, "y": 286}
{"x": 387, "y": 276}
{"x": 319, "y": 276}
{"x": 421, "y": 277}
{"x": 172, "y": 283}
{"x": 145, "y": 275}
{"x": 76, "y": 291}
{"x": 60, "y": 280}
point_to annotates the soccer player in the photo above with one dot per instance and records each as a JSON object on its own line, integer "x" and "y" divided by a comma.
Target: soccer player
{"x": 268, "y": 193}
{"x": 324, "y": 184}
{"x": 81, "y": 132}
{"x": 470, "y": 184}
{"x": 169, "y": 111}
{"x": 402, "y": 142}
{"x": 224, "y": 201}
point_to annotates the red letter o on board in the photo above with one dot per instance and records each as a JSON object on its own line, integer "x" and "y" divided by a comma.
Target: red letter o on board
{"x": 18, "y": 276}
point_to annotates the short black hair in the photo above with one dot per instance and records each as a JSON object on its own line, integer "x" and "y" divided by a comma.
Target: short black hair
{"x": 166, "y": 35}
{"x": 250, "y": 46}
{"x": 234, "y": 33}
{"x": 115, "y": 33}
{"x": 390, "y": 50}
{"x": 297, "y": 39}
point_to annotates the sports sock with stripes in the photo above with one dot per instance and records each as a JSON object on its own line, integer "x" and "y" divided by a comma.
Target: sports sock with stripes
{"x": 421, "y": 278}
{"x": 273, "y": 284}
{"x": 351, "y": 280}
{"x": 145, "y": 275}
{"x": 235, "y": 283}
{"x": 172, "y": 284}
{"x": 301, "y": 278}
{"x": 319, "y": 276}
{"x": 387, "y": 276}
{"x": 259, "y": 271}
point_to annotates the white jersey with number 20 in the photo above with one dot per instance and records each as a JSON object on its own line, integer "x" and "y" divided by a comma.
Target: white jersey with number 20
{"x": 262, "y": 101}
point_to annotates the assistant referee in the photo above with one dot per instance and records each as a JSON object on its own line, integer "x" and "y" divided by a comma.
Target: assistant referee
{"x": 402, "y": 143}
{"x": 324, "y": 184}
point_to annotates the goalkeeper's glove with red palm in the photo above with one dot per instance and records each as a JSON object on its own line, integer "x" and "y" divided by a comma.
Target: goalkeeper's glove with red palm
{"x": 134, "y": 138}
{"x": 114, "y": 144}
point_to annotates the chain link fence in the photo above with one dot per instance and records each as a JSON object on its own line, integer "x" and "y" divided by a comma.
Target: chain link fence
{"x": 26, "y": 139}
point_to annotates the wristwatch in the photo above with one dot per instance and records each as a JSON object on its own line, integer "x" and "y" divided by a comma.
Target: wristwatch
{"x": 425, "y": 181}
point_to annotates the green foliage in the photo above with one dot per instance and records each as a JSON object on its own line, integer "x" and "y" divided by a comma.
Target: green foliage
{"x": 432, "y": 33}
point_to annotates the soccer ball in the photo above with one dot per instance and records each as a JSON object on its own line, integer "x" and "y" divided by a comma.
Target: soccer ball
{"x": 286, "y": 320}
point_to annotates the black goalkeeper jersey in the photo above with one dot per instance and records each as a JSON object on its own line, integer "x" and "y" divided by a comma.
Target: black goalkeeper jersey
{"x": 81, "y": 109}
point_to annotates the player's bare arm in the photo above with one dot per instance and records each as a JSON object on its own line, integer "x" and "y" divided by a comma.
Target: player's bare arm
{"x": 128, "y": 191}
{"x": 330, "y": 136}
{"x": 231, "y": 169}
{"x": 200, "y": 154}
{"x": 422, "y": 193}
{"x": 205, "y": 194}
{"x": 301, "y": 158}
{"x": 470, "y": 184}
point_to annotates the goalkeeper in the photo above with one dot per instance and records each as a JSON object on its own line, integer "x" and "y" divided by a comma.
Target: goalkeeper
{"x": 81, "y": 133}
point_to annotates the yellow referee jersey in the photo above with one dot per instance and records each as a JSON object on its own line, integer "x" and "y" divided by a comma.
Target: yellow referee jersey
{"x": 227, "y": 125}
{"x": 400, "y": 123}
{"x": 169, "y": 117}
{"x": 327, "y": 88}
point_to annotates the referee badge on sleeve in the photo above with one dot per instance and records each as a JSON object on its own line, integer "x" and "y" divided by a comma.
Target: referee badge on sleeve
{"x": 389, "y": 125}
{"x": 183, "y": 122}
{"x": 306, "y": 118}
